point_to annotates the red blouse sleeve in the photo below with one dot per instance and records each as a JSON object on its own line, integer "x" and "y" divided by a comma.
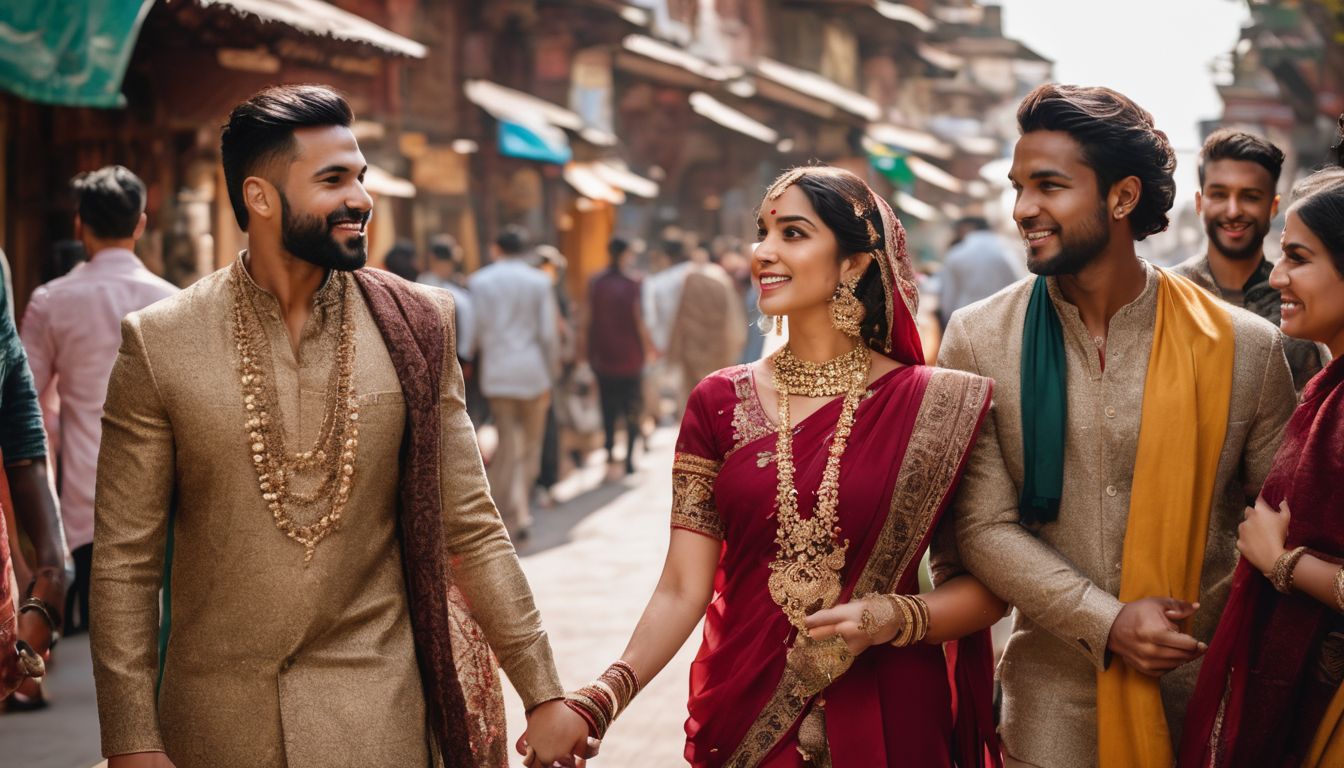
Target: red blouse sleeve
{"x": 696, "y": 466}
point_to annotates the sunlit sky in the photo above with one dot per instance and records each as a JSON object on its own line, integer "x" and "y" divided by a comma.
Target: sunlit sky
{"x": 1157, "y": 52}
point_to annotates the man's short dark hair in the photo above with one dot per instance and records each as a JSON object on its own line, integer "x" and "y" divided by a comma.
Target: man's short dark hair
{"x": 616, "y": 248}
{"x": 1118, "y": 139}
{"x": 972, "y": 223}
{"x": 110, "y": 201}
{"x": 1229, "y": 144}
{"x": 512, "y": 240}
{"x": 445, "y": 248}
{"x": 261, "y": 130}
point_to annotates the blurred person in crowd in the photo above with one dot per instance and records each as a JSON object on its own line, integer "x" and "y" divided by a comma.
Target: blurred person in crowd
{"x": 31, "y": 610}
{"x": 553, "y": 264}
{"x": 338, "y": 571}
{"x": 519, "y": 352}
{"x": 71, "y": 331}
{"x": 1270, "y": 691}
{"x": 445, "y": 271}
{"x": 977, "y": 266}
{"x": 817, "y": 649}
{"x": 710, "y": 326}
{"x": 401, "y": 260}
{"x": 660, "y": 293}
{"x": 1238, "y": 175}
{"x": 1336, "y": 155}
{"x": 1159, "y": 404}
{"x": 615, "y": 344}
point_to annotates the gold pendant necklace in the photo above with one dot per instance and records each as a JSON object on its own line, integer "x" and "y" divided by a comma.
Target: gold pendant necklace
{"x": 329, "y": 466}
{"x": 805, "y": 575}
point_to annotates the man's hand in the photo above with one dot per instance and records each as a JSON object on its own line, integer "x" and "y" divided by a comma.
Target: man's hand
{"x": 555, "y": 735}
{"x": 1261, "y": 536}
{"x": 140, "y": 760}
{"x": 1145, "y": 635}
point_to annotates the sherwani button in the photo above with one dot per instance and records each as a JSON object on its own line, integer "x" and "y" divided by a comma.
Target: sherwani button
{"x": 1110, "y": 490}
{"x": 1110, "y": 412}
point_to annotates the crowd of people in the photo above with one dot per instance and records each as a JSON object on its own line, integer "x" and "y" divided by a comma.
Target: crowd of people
{"x": 288, "y": 549}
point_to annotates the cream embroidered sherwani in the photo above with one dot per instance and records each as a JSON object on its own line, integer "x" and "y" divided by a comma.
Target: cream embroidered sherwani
{"x": 1063, "y": 577}
{"x": 271, "y": 663}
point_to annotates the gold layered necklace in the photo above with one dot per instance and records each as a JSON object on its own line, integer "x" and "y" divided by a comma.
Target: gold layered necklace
{"x": 323, "y": 473}
{"x": 805, "y": 575}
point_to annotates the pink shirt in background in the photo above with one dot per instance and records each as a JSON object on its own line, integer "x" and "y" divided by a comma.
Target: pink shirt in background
{"x": 71, "y": 331}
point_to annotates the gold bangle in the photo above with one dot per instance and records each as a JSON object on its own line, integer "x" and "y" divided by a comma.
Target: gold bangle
{"x": 1282, "y": 574}
{"x": 1339, "y": 589}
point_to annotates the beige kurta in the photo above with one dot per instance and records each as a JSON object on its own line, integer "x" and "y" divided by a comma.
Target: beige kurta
{"x": 1063, "y": 577}
{"x": 271, "y": 662}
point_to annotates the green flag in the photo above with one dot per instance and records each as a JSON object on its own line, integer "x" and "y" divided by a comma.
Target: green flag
{"x": 72, "y": 53}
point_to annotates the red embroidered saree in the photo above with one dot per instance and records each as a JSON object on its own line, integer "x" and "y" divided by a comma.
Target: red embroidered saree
{"x": 907, "y": 706}
{"x": 1277, "y": 660}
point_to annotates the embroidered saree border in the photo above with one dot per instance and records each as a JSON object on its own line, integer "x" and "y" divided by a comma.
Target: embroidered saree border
{"x": 943, "y": 430}
{"x": 749, "y": 420}
{"x": 693, "y": 494}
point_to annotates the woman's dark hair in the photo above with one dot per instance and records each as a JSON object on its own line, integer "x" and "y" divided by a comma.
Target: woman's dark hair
{"x": 846, "y": 206}
{"x": 110, "y": 201}
{"x": 1318, "y": 201}
{"x": 1118, "y": 139}
{"x": 261, "y": 130}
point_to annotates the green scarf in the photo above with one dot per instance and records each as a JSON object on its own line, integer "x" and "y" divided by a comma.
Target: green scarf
{"x": 1044, "y": 408}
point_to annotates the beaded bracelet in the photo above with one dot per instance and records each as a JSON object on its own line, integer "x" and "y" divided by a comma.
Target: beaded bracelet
{"x": 1282, "y": 574}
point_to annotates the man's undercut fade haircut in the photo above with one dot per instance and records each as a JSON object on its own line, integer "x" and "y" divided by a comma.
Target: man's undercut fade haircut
{"x": 1118, "y": 140}
{"x": 1229, "y": 144}
{"x": 261, "y": 131}
{"x": 110, "y": 201}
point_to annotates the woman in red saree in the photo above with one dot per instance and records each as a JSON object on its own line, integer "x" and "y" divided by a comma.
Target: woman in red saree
{"x": 800, "y": 519}
{"x": 1269, "y": 693}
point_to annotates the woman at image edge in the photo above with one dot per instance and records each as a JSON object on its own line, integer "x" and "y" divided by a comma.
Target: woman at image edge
{"x": 1269, "y": 692}
{"x": 806, "y": 488}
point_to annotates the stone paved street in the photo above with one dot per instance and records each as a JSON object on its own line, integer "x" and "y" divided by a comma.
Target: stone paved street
{"x": 592, "y": 561}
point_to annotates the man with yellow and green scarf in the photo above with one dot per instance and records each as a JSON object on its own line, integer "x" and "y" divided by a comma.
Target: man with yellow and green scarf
{"x": 1135, "y": 418}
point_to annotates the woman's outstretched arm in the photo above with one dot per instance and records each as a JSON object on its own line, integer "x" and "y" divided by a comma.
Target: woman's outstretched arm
{"x": 677, "y": 605}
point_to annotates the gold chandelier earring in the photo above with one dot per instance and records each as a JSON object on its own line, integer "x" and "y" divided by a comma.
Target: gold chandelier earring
{"x": 847, "y": 312}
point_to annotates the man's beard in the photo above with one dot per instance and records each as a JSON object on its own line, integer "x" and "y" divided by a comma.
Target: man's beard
{"x": 1252, "y": 248}
{"x": 311, "y": 237}
{"x": 1077, "y": 249}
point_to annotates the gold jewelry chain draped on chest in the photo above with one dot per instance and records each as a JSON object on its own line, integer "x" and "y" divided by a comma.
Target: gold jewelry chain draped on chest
{"x": 805, "y": 575}
{"x": 328, "y": 468}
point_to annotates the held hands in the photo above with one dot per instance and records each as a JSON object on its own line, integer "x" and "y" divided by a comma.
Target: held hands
{"x": 1261, "y": 536}
{"x": 555, "y": 735}
{"x": 1146, "y": 637}
{"x": 847, "y": 621}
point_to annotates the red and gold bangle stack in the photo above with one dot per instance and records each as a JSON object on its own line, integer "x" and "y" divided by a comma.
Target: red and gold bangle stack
{"x": 914, "y": 613}
{"x": 599, "y": 702}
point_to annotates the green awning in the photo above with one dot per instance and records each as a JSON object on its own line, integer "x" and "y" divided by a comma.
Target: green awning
{"x": 72, "y": 53}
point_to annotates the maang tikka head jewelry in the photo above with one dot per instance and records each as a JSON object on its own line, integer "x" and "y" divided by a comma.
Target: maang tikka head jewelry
{"x": 847, "y": 312}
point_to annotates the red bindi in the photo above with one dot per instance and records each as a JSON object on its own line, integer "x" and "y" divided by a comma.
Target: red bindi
{"x": 772, "y": 211}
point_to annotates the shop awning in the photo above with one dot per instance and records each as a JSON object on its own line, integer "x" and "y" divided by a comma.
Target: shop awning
{"x": 909, "y": 204}
{"x": 910, "y": 140}
{"x": 939, "y": 58}
{"x": 813, "y": 85}
{"x": 54, "y": 54}
{"x": 644, "y": 55}
{"x": 905, "y": 14}
{"x": 585, "y": 180}
{"x": 315, "y": 17}
{"x": 709, "y": 107}
{"x": 380, "y": 182}
{"x": 928, "y": 172}
{"x": 536, "y": 114}
{"x": 617, "y": 175}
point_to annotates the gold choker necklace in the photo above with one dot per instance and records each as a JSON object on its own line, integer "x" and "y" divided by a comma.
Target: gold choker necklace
{"x": 825, "y": 379}
{"x": 805, "y": 575}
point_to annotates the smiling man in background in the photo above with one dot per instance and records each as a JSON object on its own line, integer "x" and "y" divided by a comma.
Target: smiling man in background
{"x": 1238, "y": 173}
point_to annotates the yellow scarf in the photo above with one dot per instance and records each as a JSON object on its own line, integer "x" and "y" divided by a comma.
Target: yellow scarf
{"x": 1185, "y": 404}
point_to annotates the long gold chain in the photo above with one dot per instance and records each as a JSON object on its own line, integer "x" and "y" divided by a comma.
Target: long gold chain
{"x": 805, "y": 575}
{"x": 328, "y": 468}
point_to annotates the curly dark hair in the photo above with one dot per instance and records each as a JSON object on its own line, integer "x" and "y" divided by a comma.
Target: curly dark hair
{"x": 1118, "y": 140}
{"x": 845, "y": 205}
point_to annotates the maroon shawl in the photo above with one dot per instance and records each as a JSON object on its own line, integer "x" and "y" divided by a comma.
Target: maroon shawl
{"x": 1257, "y": 672}
{"x": 894, "y": 706}
{"x": 412, "y": 326}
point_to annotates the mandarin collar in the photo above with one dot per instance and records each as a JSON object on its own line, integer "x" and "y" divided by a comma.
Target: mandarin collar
{"x": 327, "y": 294}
